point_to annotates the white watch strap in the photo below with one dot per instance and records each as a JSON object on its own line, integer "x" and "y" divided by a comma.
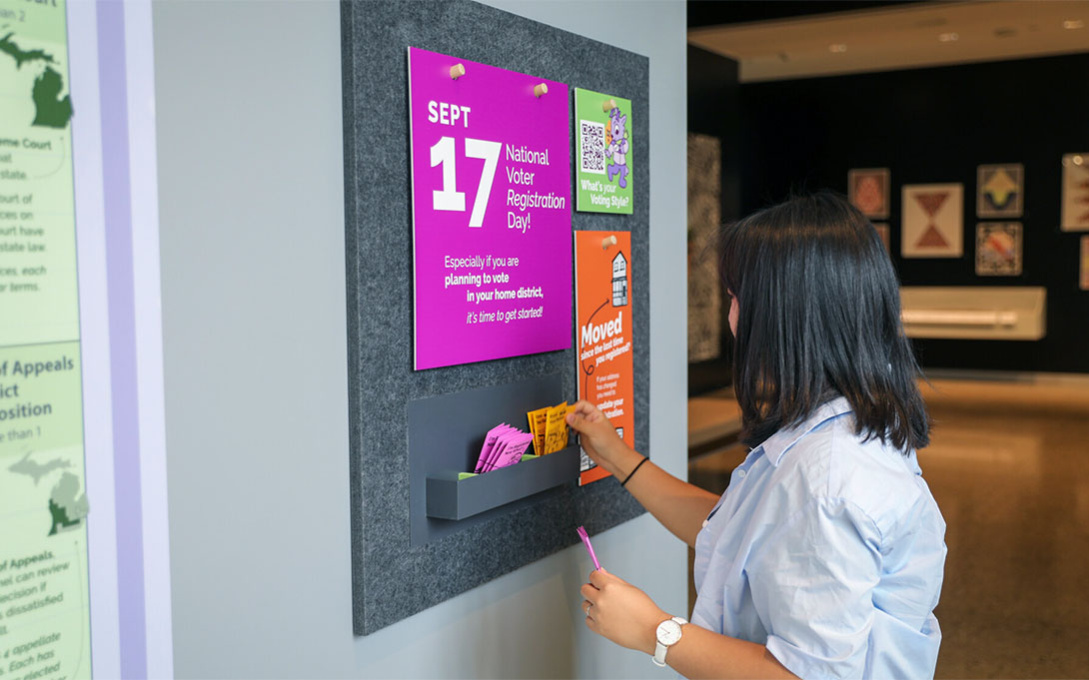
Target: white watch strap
{"x": 659, "y": 653}
{"x": 660, "y": 650}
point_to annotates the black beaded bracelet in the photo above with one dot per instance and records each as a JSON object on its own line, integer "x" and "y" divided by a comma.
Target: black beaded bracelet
{"x": 632, "y": 473}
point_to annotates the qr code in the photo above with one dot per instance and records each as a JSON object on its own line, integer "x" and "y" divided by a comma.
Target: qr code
{"x": 593, "y": 147}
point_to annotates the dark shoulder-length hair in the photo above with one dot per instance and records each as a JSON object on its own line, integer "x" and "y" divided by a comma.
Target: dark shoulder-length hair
{"x": 819, "y": 317}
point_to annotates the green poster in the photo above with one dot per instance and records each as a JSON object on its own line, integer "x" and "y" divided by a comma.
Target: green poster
{"x": 603, "y": 137}
{"x": 44, "y": 611}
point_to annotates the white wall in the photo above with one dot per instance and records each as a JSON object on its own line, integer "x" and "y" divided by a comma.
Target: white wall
{"x": 252, "y": 236}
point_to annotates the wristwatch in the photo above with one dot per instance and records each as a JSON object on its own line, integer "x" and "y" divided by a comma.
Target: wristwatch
{"x": 668, "y": 634}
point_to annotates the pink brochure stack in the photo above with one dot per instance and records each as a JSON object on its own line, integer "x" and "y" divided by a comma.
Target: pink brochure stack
{"x": 503, "y": 447}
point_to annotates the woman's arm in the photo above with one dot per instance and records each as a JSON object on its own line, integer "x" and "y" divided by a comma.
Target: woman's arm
{"x": 624, "y": 614}
{"x": 703, "y": 654}
{"x": 678, "y": 505}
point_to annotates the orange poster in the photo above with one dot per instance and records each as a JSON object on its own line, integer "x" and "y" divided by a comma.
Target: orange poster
{"x": 604, "y": 332}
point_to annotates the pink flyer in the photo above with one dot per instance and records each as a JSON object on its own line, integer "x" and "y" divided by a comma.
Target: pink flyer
{"x": 491, "y": 208}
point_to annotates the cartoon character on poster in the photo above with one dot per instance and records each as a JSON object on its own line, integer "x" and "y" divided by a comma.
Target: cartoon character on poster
{"x": 605, "y": 142}
{"x": 616, "y": 149}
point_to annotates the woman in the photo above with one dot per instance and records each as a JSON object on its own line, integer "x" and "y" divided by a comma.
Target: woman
{"x": 824, "y": 557}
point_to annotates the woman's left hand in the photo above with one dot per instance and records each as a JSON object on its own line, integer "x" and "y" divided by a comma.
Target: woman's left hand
{"x": 621, "y": 612}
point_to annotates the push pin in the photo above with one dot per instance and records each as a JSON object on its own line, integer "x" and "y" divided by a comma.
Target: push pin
{"x": 541, "y": 89}
{"x": 608, "y": 241}
{"x": 457, "y": 71}
{"x": 608, "y": 105}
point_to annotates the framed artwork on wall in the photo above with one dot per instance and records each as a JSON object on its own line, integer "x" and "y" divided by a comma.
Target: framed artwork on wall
{"x": 1075, "y": 211}
{"x": 998, "y": 249}
{"x": 868, "y": 190}
{"x": 932, "y": 220}
{"x": 883, "y": 232}
{"x": 1084, "y": 263}
{"x": 704, "y": 280}
{"x": 1000, "y": 190}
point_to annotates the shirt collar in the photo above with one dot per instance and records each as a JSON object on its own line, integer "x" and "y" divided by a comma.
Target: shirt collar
{"x": 779, "y": 443}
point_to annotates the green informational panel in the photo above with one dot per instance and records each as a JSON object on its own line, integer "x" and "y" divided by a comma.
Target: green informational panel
{"x": 44, "y": 612}
{"x": 603, "y": 134}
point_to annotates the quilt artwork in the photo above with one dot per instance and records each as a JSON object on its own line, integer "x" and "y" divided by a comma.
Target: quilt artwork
{"x": 1075, "y": 212}
{"x": 933, "y": 220}
{"x": 868, "y": 190}
{"x": 1000, "y": 190}
{"x": 998, "y": 249}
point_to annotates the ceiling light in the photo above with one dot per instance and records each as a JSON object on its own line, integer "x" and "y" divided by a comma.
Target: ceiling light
{"x": 949, "y": 37}
{"x": 1073, "y": 23}
{"x": 838, "y": 47}
{"x": 1077, "y": 160}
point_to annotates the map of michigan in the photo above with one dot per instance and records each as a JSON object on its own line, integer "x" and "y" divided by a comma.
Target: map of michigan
{"x": 36, "y": 470}
{"x": 67, "y": 503}
{"x": 20, "y": 55}
{"x": 51, "y": 109}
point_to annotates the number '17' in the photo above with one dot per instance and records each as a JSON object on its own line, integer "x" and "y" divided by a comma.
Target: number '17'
{"x": 449, "y": 198}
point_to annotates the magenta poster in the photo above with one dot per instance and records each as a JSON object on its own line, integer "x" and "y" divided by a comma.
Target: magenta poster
{"x": 491, "y": 209}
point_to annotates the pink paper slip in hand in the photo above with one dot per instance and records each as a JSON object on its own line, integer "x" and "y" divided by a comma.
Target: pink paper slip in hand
{"x": 589, "y": 548}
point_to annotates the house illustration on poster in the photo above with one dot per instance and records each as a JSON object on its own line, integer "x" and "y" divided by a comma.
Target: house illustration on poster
{"x": 620, "y": 281}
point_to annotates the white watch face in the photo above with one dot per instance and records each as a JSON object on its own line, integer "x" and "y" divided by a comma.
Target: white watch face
{"x": 669, "y": 632}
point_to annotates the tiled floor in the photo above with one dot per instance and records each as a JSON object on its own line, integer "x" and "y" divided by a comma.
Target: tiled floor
{"x": 1009, "y": 466}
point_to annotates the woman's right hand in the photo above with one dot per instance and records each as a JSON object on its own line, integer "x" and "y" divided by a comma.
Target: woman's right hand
{"x": 598, "y": 437}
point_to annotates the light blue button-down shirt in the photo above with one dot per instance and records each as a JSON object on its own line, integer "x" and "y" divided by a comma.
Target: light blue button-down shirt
{"x": 828, "y": 550}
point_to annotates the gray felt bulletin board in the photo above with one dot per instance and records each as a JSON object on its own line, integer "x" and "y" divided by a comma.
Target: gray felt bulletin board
{"x": 406, "y": 424}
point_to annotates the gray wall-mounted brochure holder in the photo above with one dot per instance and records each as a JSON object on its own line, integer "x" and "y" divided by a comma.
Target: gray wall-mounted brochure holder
{"x": 451, "y": 498}
{"x": 445, "y": 434}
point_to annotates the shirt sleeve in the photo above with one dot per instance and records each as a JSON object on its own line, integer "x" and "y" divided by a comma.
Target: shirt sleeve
{"x": 812, "y": 585}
